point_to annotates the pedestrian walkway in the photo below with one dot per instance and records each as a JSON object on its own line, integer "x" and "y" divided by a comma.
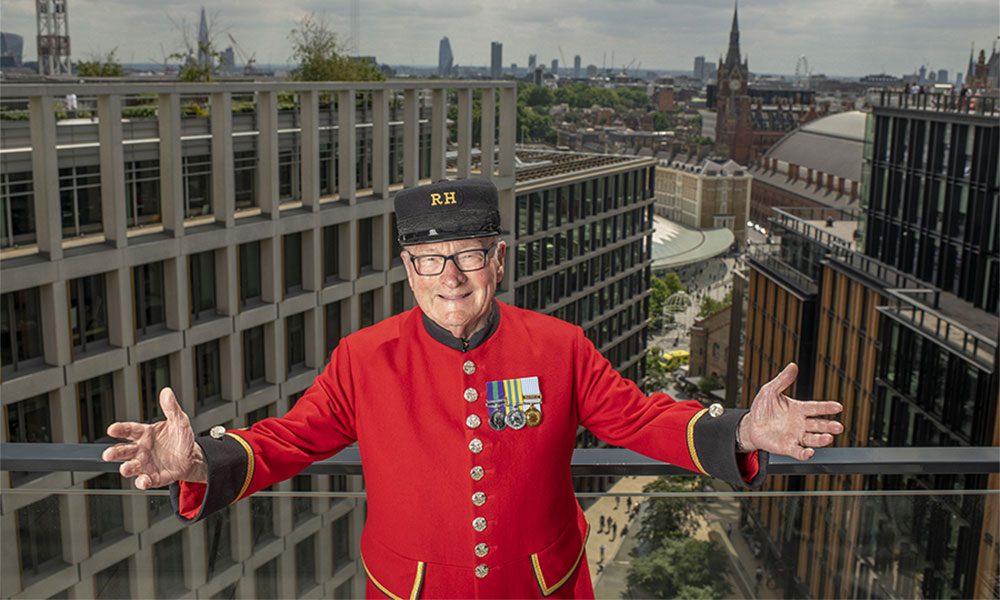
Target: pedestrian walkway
{"x": 616, "y": 512}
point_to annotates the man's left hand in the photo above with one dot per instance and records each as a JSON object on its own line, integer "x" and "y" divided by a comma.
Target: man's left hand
{"x": 783, "y": 425}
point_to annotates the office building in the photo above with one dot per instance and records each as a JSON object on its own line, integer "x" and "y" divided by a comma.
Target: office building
{"x": 911, "y": 355}
{"x": 555, "y": 66}
{"x": 532, "y": 62}
{"x": 699, "y": 68}
{"x": 11, "y": 50}
{"x": 446, "y": 60}
{"x": 576, "y": 66}
{"x": 942, "y": 76}
{"x": 496, "y": 60}
{"x": 705, "y": 194}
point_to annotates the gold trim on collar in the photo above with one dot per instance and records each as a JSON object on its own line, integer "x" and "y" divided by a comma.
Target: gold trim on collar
{"x": 250, "y": 463}
{"x": 549, "y": 590}
{"x": 418, "y": 581}
{"x": 690, "y": 440}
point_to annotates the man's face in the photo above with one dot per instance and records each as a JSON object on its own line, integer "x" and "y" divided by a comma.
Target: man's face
{"x": 457, "y": 300}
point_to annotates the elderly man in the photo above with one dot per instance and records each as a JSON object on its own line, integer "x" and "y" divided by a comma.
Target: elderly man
{"x": 466, "y": 411}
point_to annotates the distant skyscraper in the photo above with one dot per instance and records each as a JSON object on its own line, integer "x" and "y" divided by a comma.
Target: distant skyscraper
{"x": 538, "y": 75}
{"x": 959, "y": 79}
{"x": 699, "y": 67}
{"x": 496, "y": 60}
{"x": 532, "y": 61}
{"x": 942, "y": 76}
{"x": 11, "y": 50}
{"x": 446, "y": 60}
{"x": 923, "y": 74}
{"x": 576, "y": 66}
{"x": 204, "y": 56}
{"x": 555, "y": 66}
{"x": 931, "y": 77}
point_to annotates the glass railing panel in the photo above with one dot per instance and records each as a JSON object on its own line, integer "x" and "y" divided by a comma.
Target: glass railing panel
{"x": 650, "y": 536}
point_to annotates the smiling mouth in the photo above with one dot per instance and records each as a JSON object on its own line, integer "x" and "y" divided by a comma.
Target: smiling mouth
{"x": 454, "y": 298}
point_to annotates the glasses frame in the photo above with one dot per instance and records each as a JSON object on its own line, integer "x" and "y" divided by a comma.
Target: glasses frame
{"x": 453, "y": 258}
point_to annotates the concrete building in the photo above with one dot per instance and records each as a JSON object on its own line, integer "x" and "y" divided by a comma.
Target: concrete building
{"x": 576, "y": 67}
{"x": 710, "y": 345}
{"x": 446, "y": 60}
{"x": 708, "y": 194}
{"x": 226, "y": 256}
{"x": 913, "y": 361}
{"x": 699, "y": 68}
{"x": 496, "y": 60}
{"x": 11, "y": 50}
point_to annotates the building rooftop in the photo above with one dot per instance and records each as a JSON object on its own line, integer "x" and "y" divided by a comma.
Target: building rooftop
{"x": 832, "y": 144}
{"x": 535, "y": 165}
{"x": 676, "y": 245}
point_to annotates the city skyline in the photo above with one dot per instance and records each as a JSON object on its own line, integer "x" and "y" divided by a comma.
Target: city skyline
{"x": 851, "y": 38}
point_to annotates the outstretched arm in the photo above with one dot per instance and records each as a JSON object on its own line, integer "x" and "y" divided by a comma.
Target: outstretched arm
{"x": 783, "y": 425}
{"x": 158, "y": 454}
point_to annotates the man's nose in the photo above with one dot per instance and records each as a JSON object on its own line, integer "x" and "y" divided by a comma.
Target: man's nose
{"x": 452, "y": 275}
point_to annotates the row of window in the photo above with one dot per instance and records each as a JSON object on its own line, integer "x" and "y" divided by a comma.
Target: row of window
{"x": 554, "y": 207}
{"x": 40, "y": 544}
{"x": 80, "y": 184}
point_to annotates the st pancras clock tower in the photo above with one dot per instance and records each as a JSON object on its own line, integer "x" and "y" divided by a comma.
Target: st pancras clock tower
{"x": 733, "y": 130}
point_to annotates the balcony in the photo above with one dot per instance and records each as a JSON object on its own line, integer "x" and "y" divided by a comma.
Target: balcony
{"x": 978, "y": 104}
{"x": 114, "y": 541}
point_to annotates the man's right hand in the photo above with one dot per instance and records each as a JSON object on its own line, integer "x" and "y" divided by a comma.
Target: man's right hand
{"x": 158, "y": 454}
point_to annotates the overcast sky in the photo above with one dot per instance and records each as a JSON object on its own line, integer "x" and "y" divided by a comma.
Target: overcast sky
{"x": 838, "y": 37}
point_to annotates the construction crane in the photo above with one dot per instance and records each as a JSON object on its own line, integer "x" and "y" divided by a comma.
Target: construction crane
{"x": 248, "y": 60}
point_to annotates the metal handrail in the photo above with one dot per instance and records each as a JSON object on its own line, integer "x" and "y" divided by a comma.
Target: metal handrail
{"x": 51, "y": 458}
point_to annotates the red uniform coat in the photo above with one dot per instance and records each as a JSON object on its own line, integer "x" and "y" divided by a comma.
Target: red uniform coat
{"x": 406, "y": 398}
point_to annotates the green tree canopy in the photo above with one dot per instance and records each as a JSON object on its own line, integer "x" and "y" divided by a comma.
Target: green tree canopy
{"x": 320, "y": 57}
{"x": 668, "y": 518}
{"x": 710, "y": 306}
{"x": 101, "y": 66}
{"x": 681, "y": 569}
{"x": 662, "y": 288}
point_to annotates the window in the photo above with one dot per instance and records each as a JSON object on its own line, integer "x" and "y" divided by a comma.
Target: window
{"x": 332, "y": 328}
{"x": 342, "y": 542}
{"x": 154, "y": 375}
{"x": 398, "y": 303}
{"x": 262, "y": 521}
{"x": 253, "y": 356}
{"x": 295, "y": 329}
{"x": 17, "y": 209}
{"x": 142, "y": 192}
{"x": 367, "y": 307}
{"x": 397, "y": 248}
{"x": 88, "y": 312}
{"x": 266, "y": 579}
{"x": 250, "y": 284}
{"x": 201, "y": 273}
{"x": 292, "y": 253}
{"x": 365, "y": 244}
{"x": 106, "y": 517}
{"x": 244, "y": 180}
{"x": 29, "y": 421}
{"x": 80, "y": 200}
{"x": 305, "y": 565}
{"x": 218, "y": 541}
{"x": 331, "y": 253}
{"x": 97, "y": 407}
{"x": 302, "y": 506}
{"x": 113, "y": 581}
{"x": 343, "y": 591}
{"x": 39, "y": 537}
{"x": 149, "y": 296}
{"x": 197, "y": 173}
{"x": 168, "y": 561}
{"x": 208, "y": 379}
{"x": 21, "y": 329}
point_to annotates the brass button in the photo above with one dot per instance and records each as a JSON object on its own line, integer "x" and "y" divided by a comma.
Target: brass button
{"x": 482, "y": 571}
{"x": 469, "y": 367}
{"x": 479, "y": 523}
{"x": 716, "y": 410}
{"x": 482, "y": 549}
{"x": 476, "y": 445}
{"x": 477, "y": 473}
{"x": 479, "y": 498}
{"x": 471, "y": 395}
{"x": 473, "y": 421}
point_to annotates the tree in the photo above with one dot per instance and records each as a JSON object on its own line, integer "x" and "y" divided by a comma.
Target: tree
{"x": 662, "y": 288}
{"x": 321, "y": 57}
{"x": 101, "y": 66}
{"x": 709, "y": 383}
{"x": 681, "y": 569}
{"x": 668, "y": 518}
{"x": 657, "y": 377}
{"x": 710, "y": 306}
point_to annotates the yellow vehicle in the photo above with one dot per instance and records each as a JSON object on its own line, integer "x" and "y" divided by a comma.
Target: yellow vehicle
{"x": 675, "y": 359}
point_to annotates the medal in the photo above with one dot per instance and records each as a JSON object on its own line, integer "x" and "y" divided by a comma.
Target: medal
{"x": 498, "y": 420}
{"x": 533, "y": 416}
{"x": 516, "y": 419}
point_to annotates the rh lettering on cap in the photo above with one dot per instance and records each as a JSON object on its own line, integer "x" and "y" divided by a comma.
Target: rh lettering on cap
{"x": 441, "y": 199}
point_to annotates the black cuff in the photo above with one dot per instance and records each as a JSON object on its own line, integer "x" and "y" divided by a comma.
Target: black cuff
{"x": 229, "y": 461}
{"x": 715, "y": 447}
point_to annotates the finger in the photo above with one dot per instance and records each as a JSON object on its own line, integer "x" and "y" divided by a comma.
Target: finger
{"x": 816, "y": 408}
{"x": 143, "y": 482}
{"x": 785, "y": 379}
{"x": 127, "y": 431}
{"x": 120, "y": 452}
{"x": 824, "y": 426}
{"x": 168, "y": 404}
{"x": 817, "y": 440}
{"x": 130, "y": 468}
{"x": 804, "y": 453}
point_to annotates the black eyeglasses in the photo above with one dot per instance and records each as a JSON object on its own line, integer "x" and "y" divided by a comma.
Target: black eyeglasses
{"x": 466, "y": 260}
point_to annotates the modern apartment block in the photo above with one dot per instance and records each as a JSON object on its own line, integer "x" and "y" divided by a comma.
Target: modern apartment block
{"x": 911, "y": 353}
{"x": 219, "y": 239}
